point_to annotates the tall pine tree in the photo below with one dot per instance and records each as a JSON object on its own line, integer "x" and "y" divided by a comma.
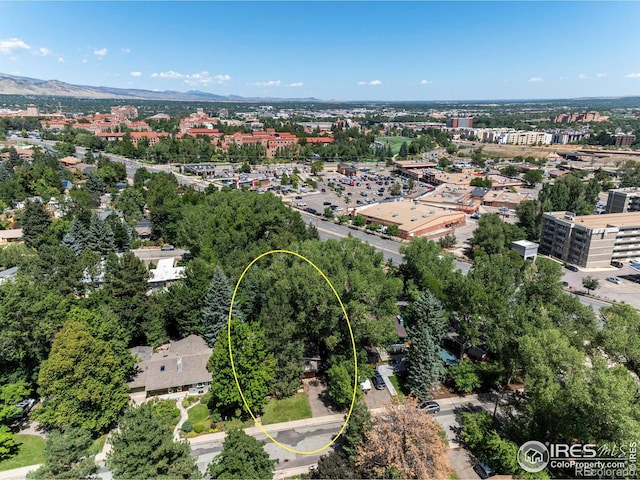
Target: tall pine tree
{"x": 35, "y": 222}
{"x": 76, "y": 238}
{"x": 100, "y": 236}
{"x": 217, "y": 301}
{"x": 426, "y": 325}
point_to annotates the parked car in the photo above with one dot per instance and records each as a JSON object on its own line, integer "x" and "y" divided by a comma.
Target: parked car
{"x": 378, "y": 382}
{"x": 573, "y": 268}
{"x": 326, "y": 203}
{"x": 302, "y": 204}
{"x": 484, "y": 470}
{"x": 615, "y": 280}
{"x": 617, "y": 264}
{"x": 429, "y": 407}
{"x": 475, "y": 216}
{"x": 25, "y": 407}
{"x": 167, "y": 248}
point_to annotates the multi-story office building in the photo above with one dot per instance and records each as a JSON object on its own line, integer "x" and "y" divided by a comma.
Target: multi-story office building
{"x": 457, "y": 122}
{"x": 624, "y": 139}
{"x": 623, "y": 200}
{"x": 591, "y": 241}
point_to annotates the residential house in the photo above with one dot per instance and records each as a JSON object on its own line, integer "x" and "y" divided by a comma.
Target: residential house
{"x": 175, "y": 367}
{"x": 13, "y": 235}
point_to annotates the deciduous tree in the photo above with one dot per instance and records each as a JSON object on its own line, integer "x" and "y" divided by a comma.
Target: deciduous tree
{"x": 404, "y": 442}
{"x": 242, "y": 457}
{"x": 82, "y": 383}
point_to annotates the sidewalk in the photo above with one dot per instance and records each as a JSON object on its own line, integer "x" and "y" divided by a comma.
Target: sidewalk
{"x": 276, "y": 427}
{"x": 18, "y": 473}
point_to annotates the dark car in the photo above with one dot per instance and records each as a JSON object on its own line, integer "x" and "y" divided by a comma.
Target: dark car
{"x": 25, "y": 407}
{"x": 378, "y": 382}
{"x": 326, "y": 203}
{"x": 167, "y": 248}
{"x": 483, "y": 470}
{"x": 312, "y": 211}
{"x": 573, "y": 268}
{"x": 429, "y": 407}
{"x": 298, "y": 197}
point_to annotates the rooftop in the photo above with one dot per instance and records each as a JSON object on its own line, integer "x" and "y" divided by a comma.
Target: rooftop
{"x": 609, "y": 220}
{"x": 406, "y": 214}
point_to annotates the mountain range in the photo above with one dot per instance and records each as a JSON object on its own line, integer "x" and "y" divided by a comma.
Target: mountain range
{"x": 14, "y": 85}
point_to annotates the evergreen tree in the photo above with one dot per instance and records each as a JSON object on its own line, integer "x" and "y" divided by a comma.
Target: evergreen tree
{"x": 217, "y": 302}
{"x": 121, "y": 232}
{"x": 35, "y": 222}
{"x": 356, "y": 430}
{"x": 403, "y": 150}
{"x": 242, "y": 457}
{"x": 100, "y": 236}
{"x": 95, "y": 185}
{"x": 424, "y": 364}
{"x": 76, "y": 238}
{"x": 66, "y": 456}
{"x": 426, "y": 326}
{"x": 144, "y": 448}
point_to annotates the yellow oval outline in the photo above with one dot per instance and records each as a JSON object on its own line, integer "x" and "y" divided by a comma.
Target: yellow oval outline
{"x": 353, "y": 344}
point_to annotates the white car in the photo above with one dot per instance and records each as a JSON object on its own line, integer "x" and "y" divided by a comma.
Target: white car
{"x": 615, "y": 280}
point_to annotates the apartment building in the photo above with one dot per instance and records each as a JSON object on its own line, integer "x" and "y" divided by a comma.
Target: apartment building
{"x": 591, "y": 241}
{"x": 624, "y": 139}
{"x": 623, "y": 200}
{"x": 524, "y": 138}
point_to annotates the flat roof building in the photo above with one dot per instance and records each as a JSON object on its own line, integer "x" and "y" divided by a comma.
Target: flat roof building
{"x": 623, "y": 200}
{"x": 413, "y": 219}
{"x": 591, "y": 241}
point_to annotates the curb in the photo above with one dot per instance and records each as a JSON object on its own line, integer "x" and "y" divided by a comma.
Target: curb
{"x": 273, "y": 428}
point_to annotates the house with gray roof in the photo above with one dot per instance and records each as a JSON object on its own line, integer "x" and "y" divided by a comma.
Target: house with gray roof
{"x": 175, "y": 367}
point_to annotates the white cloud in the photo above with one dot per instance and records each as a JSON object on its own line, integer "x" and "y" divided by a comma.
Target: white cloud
{"x": 100, "y": 53}
{"x": 426, "y": 82}
{"x": 372, "y": 82}
{"x": 10, "y": 45}
{"x": 42, "y": 52}
{"x": 584, "y": 76}
{"x": 13, "y": 59}
{"x": 136, "y": 74}
{"x": 633, "y": 75}
{"x": 194, "y": 79}
{"x": 535, "y": 79}
{"x": 126, "y": 50}
{"x": 601, "y": 75}
{"x": 270, "y": 83}
{"x": 60, "y": 60}
{"x": 295, "y": 84}
{"x": 170, "y": 74}
{"x": 84, "y": 60}
{"x": 220, "y": 79}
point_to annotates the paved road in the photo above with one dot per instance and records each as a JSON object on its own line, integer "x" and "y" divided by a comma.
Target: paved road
{"x": 156, "y": 253}
{"x": 389, "y": 248}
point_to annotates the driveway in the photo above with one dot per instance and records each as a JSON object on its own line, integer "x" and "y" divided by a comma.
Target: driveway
{"x": 315, "y": 389}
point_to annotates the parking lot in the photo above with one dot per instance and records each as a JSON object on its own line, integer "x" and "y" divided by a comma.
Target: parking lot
{"x": 627, "y": 291}
{"x": 341, "y": 193}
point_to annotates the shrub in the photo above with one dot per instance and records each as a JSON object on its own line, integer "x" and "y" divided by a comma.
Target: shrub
{"x": 465, "y": 376}
{"x": 198, "y": 428}
{"x": 206, "y": 398}
{"x": 187, "y": 427}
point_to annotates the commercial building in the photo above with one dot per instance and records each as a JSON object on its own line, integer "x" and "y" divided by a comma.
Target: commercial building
{"x": 526, "y": 249}
{"x": 413, "y": 219}
{"x": 591, "y": 241}
{"x": 623, "y": 200}
{"x": 457, "y": 122}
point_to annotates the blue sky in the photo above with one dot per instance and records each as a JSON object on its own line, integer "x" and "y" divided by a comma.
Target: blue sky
{"x": 331, "y": 50}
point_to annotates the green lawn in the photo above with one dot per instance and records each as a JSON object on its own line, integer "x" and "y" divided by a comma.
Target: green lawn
{"x": 198, "y": 414}
{"x": 396, "y": 384}
{"x": 395, "y": 142}
{"x": 30, "y": 453}
{"x": 287, "y": 409}
{"x": 98, "y": 444}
